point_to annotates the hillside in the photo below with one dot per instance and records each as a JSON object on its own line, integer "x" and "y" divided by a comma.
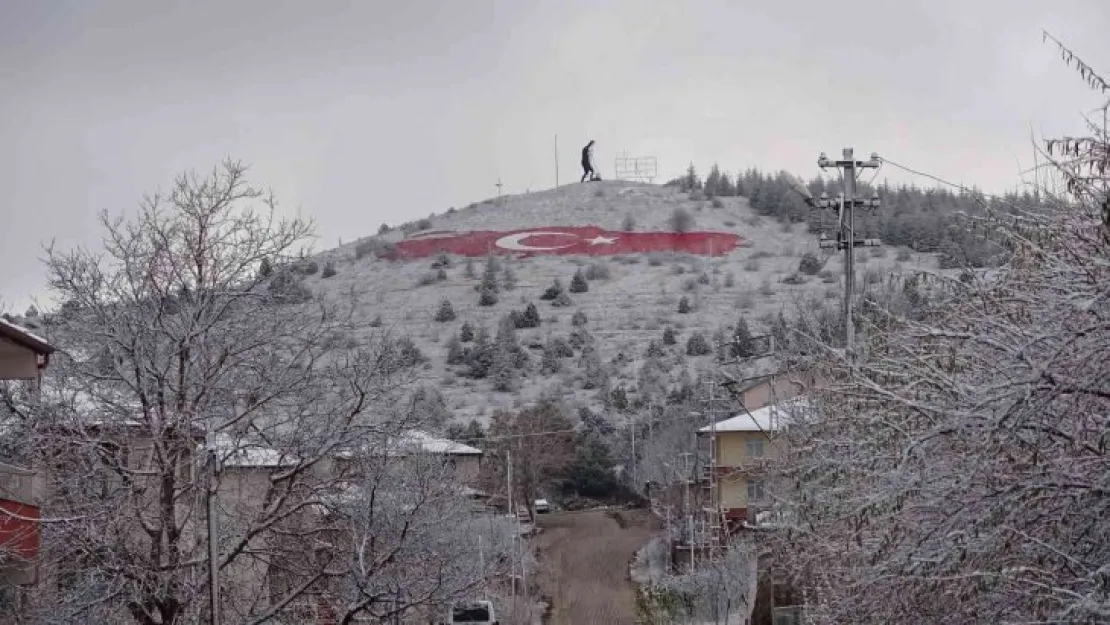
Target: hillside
{"x": 624, "y": 311}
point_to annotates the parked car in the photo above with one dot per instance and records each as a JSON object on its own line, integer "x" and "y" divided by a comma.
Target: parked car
{"x": 542, "y": 507}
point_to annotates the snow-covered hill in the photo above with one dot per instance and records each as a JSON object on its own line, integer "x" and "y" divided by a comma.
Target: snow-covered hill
{"x": 640, "y": 297}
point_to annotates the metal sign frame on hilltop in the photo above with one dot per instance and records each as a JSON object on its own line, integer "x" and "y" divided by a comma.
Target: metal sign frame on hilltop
{"x": 637, "y": 168}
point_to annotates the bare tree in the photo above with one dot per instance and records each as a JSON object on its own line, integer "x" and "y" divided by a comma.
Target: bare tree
{"x": 956, "y": 472}
{"x": 184, "y": 372}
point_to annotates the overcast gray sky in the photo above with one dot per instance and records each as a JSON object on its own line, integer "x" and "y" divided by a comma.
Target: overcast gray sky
{"x": 364, "y": 112}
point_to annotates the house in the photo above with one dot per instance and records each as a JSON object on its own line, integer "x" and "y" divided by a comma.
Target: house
{"x": 23, "y": 356}
{"x": 463, "y": 461}
{"x": 742, "y": 448}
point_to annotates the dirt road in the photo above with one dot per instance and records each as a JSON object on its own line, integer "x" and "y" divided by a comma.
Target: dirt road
{"x": 584, "y": 559}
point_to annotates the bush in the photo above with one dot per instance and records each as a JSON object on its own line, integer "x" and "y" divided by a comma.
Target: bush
{"x": 424, "y": 224}
{"x": 466, "y": 332}
{"x": 468, "y": 269}
{"x": 751, "y": 265}
{"x": 703, "y": 278}
{"x": 689, "y": 285}
{"x": 794, "y": 278}
{"x": 427, "y": 279}
{"x": 329, "y": 270}
{"x": 654, "y": 350}
{"x": 553, "y": 291}
{"x": 578, "y": 283}
{"x": 746, "y": 301}
{"x": 376, "y": 322}
{"x": 384, "y": 228}
{"x": 878, "y": 252}
{"x": 903, "y": 254}
{"x": 655, "y": 260}
{"x": 669, "y": 337}
{"x": 765, "y": 288}
{"x": 682, "y": 220}
{"x": 442, "y": 260}
{"x": 487, "y": 296}
{"x": 561, "y": 348}
{"x": 697, "y": 345}
{"x": 441, "y": 274}
{"x": 456, "y": 353}
{"x": 598, "y": 271}
{"x": 578, "y": 318}
{"x": 717, "y": 203}
{"x": 684, "y": 305}
{"x": 530, "y": 318}
{"x": 730, "y": 281}
{"x": 562, "y": 300}
{"x": 629, "y": 223}
{"x": 445, "y": 313}
{"x": 810, "y": 265}
{"x": 743, "y": 346}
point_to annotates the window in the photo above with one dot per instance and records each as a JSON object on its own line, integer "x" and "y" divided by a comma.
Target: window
{"x": 755, "y": 490}
{"x": 755, "y": 447}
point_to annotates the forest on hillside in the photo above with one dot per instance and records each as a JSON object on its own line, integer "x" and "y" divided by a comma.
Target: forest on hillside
{"x": 930, "y": 220}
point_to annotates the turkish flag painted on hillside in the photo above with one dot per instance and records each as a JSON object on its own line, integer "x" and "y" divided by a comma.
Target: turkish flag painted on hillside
{"x": 561, "y": 240}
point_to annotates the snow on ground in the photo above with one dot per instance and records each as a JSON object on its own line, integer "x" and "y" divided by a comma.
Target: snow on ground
{"x": 624, "y": 312}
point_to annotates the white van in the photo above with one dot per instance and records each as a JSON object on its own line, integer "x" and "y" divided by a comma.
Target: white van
{"x": 473, "y": 613}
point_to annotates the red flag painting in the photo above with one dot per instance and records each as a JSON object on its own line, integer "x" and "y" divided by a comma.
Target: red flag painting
{"x": 561, "y": 240}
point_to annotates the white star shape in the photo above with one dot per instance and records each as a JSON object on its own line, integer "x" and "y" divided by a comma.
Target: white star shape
{"x": 600, "y": 240}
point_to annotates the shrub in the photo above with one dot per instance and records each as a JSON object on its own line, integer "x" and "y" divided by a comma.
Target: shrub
{"x": 696, "y": 196}
{"x": 561, "y": 347}
{"x": 655, "y": 260}
{"x": 487, "y": 296}
{"x": 689, "y": 284}
{"x": 684, "y": 305}
{"x": 703, "y": 278}
{"x": 426, "y": 279}
{"x": 751, "y": 265}
{"x": 794, "y": 278}
{"x": 468, "y": 270}
{"x": 508, "y": 278}
{"x": 654, "y": 350}
{"x": 530, "y": 318}
{"x": 903, "y": 254}
{"x": 424, "y": 224}
{"x": 466, "y": 332}
{"x": 562, "y": 300}
{"x": 629, "y": 223}
{"x": 682, "y": 220}
{"x": 717, "y": 203}
{"x": 810, "y": 265}
{"x": 441, "y": 274}
{"x": 730, "y": 281}
{"x": 376, "y": 322}
{"x": 697, "y": 345}
{"x": 578, "y": 283}
{"x": 442, "y": 260}
{"x": 878, "y": 252}
{"x": 384, "y": 228}
{"x": 456, "y": 353}
{"x": 743, "y": 346}
{"x": 329, "y": 270}
{"x": 265, "y": 269}
{"x": 552, "y": 291}
{"x": 598, "y": 271}
{"x": 669, "y": 337}
{"x": 765, "y": 288}
{"x": 445, "y": 313}
{"x": 578, "y": 318}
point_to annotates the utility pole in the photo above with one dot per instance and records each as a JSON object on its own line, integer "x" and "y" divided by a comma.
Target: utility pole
{"x": 213, "y": 533}
{"x": 846, "y": 204}
{"x": 632, "y": 433}
{"x": 687, "y": 478}
{"x": 498, "y": 185}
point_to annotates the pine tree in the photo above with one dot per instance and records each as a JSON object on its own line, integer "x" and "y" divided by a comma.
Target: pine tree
{"x": 329, "y": 270}
{"x": 697, "y": 345}
{"x": 456, "y": 353}
{"x": 446, "y": 312}
{"x": 509, "y": 360}
{"x": 265, "y": 269}
{"x": 531, "y": 317}
{"x": 487, "y": 296}
{"x": 654, "y": 350}
{"x": 578, "y": 318}
{"x": 713, "y": 181}
{"x": 468, "y": 269}
{"x": 480, "y": 357}
{"x": 684, "y": 305}
{"x": 550, "y": 362}
{"x": 669, "y": 337}
{"x": 743, "y": 346}
{"x": 578, "y": 283}
{"x": 466, "y": 332}
{"x": 595, "y": 374}
{"x": 508, "y": 278}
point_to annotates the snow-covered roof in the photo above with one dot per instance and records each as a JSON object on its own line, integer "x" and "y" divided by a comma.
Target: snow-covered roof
{"x": 770, "y": 418}
{"x": 237, "y": 452}
{"x": 22, "y": 336}
{"x": 435, "y": 445}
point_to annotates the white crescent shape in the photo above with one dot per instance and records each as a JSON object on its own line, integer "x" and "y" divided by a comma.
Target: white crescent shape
{"x": 513, "y": 241}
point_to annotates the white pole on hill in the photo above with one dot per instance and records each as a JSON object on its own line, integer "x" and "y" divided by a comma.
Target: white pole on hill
{"x": 556, "y": 159}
